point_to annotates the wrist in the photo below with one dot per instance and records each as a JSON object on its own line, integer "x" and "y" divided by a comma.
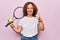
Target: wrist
{"x": 39, "y": 20}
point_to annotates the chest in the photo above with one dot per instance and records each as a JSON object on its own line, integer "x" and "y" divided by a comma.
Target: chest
{"x": 29, "y": 21}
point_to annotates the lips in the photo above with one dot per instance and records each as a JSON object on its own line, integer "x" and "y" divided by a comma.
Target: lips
{"x": 30, "y": 11}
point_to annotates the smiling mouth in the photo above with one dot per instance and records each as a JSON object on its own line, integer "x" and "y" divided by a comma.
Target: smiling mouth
{"x": 30, "y": 11}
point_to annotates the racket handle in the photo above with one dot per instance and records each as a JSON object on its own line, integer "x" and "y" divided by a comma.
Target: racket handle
{"x": 10, "y": 20}
{"x": 7, "y": 24}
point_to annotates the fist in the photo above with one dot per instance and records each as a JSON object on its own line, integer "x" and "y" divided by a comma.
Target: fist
{"x": 37, "y": 16}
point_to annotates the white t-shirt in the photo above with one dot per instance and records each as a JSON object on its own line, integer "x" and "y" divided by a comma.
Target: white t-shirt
{"x": 29, "y": 25}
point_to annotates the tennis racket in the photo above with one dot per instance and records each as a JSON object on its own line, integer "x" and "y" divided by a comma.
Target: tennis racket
{"x": 17, "y": 14}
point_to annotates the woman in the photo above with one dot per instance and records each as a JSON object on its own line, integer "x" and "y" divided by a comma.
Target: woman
{"x": 29, "y": 24}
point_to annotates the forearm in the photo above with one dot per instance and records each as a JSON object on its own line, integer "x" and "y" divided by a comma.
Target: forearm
{"x": 15, "y": 28}
{"x": 40, "y": 22}
{"x": 41, "y": 25}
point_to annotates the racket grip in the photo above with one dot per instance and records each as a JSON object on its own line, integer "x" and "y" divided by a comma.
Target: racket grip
{"x": 10, "y": 20}
{"x": 7, "y": 24}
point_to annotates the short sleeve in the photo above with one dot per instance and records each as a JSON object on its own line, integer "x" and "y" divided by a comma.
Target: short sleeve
{"x": 20, "y": 22}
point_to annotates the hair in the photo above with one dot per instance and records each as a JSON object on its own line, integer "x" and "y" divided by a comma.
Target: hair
{"x": 34, "y": 9}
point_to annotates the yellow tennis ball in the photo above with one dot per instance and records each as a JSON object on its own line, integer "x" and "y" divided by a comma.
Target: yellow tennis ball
{"x": 10, "y": 20}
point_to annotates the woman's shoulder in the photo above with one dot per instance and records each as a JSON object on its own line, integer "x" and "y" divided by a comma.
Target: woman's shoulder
{"x": 23, "y": 18}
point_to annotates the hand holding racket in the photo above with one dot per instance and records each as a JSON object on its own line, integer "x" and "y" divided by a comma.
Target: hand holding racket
{"x": 17, "y": 14}
{"x": 10, "y": 20}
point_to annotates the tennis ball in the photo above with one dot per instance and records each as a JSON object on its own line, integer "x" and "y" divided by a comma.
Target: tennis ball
{"x": 10, "y": 20}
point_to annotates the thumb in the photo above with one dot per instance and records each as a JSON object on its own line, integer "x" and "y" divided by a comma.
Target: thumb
{"x": 37, "y": 16}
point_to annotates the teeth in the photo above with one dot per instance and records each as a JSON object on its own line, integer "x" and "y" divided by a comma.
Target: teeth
{"x": 30, "y": 11}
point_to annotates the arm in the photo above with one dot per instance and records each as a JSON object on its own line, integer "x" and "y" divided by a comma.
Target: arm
{"x": 16, "y": 29}
{"x": 40, "y": 23}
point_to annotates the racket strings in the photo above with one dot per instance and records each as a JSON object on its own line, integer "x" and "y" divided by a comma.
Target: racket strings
{"x": 14, "y": 13}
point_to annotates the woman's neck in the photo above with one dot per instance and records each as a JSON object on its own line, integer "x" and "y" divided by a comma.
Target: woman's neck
{"x": 29, "y": 16}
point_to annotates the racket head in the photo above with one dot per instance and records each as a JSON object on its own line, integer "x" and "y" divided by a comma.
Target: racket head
{"x": 18, "y": 13}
